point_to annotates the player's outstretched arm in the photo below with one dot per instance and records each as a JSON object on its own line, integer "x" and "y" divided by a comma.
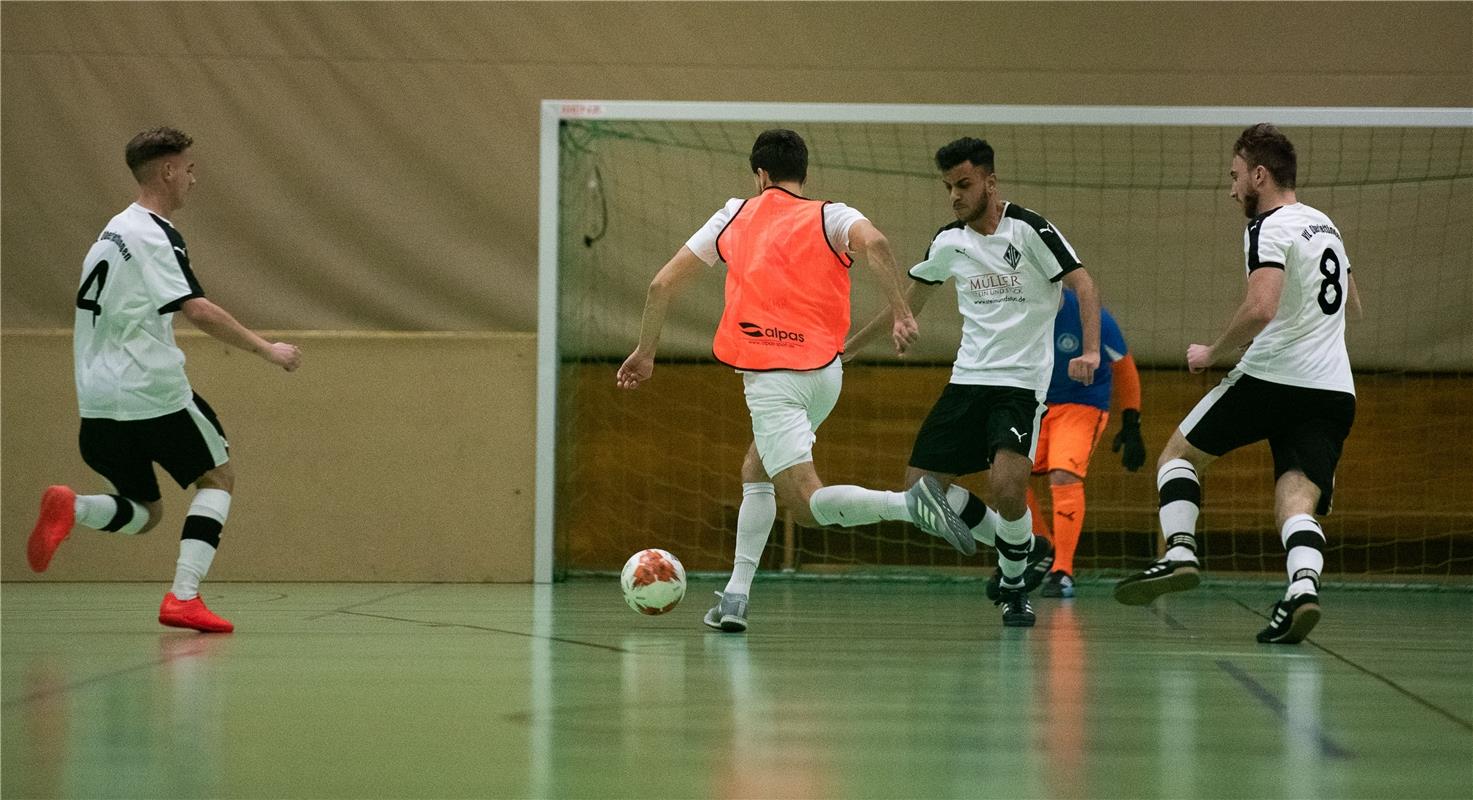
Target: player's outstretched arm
{"x": 1082, "y": 367}
{"x": 219, "y": 323}
{"x": 916, "y": 297}
{"x": 669, "y": 282}
{"x": 1265, "y": 285}
{"x": 865, "y": 238}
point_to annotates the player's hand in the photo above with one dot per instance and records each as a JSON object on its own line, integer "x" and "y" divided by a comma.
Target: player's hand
{"x": 1199, "y": 357}
{"x": 1082, "y": 368}
{"x": 286, "y": 356}
{"x": 636, "y": 369}
{"x": 1130, "y": 439}
{"x": 904, "y": 332}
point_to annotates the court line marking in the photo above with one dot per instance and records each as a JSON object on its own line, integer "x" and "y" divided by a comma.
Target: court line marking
{"x": 345, "y": 608}
{"x": 1171, "y": 621}
{"x": 467, "y": 626}
{"x": 1420, "y": 700}
{"x": 1265, "y": 696}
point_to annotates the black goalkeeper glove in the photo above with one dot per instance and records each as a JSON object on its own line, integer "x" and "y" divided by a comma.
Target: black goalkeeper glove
{"x": 1129, "y": 438}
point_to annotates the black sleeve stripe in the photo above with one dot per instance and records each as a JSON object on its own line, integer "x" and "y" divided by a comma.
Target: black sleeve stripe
{"x": 944, "y": 228}
{"x": 728, "y": 225}
{"x": 1047, "y": 234}
{"x": 174, "y": 305}
{"x": 181, "y": 256}
{"x": 923, "y": 280}
{"x": 1265, "y": 265}
{"x": 1068, "y": 269}
{"x": 1253, "y": 228}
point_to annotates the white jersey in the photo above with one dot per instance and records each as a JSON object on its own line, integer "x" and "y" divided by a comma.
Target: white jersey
{"x": 1007, "y": 287}
{"x": 133, "y": 280}
{"x": 837, "y": 220}
{"x": 1304, "y": 344}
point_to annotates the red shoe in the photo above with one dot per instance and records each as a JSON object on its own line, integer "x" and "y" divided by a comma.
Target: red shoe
{"x": 58, "y": 515}
{"x": 178, "y": 613}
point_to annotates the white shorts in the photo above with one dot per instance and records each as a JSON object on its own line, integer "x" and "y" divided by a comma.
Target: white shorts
{"x": 787, "y": 407}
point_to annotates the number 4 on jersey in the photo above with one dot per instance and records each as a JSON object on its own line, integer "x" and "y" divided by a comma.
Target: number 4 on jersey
{"x": 99, "y": 276}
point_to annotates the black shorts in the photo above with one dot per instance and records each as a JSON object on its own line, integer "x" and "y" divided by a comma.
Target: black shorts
{"x": 969, "y": 423}
{"x": 1305, "y": 428}
{"x": 187, "y": 444}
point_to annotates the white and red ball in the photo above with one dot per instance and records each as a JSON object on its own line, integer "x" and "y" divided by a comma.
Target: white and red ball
{"x": 653, "y": 581}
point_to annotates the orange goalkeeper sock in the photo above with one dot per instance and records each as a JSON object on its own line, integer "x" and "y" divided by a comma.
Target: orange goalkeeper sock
{"x": 1068, "y": 522}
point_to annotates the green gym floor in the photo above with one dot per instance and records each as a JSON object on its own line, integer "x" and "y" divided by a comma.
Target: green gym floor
{"x": 840, "y": 689}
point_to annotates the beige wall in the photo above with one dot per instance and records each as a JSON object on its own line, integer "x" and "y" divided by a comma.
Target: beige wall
{"x": 373, "y": 165}
{"x": 401, "y": 457}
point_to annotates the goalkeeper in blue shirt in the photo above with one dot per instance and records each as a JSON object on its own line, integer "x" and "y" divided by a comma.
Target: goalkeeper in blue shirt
{"x": 1075, "y": 422}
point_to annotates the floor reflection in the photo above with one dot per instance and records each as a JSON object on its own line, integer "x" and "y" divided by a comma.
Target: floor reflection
{"x": 1066, "y": 685}
{"x": 757, "y": 759}
{"x": 47, "y": 726}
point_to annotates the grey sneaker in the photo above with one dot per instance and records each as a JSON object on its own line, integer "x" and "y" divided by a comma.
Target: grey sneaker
{"x": 926, "y": 502}
{"x": 729, "y": 615}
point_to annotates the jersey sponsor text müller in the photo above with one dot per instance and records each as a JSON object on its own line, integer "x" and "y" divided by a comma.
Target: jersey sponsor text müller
{"x": 1007, "y": 286}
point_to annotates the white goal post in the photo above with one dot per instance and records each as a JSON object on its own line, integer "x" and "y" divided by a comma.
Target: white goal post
{"x": 554, "y": 112}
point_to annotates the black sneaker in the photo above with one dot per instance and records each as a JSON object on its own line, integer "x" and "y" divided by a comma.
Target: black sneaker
{"x": 1158, "y": 579}
{"x": 1016, "y": 610}
{"x": 1040, "y": 559}
{"x": 1058, "y": 584}
{"x": 1292, "y": 620}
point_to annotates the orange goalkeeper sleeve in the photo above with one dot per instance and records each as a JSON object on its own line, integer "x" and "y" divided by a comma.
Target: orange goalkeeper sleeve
{"x": 1127, "y": 381}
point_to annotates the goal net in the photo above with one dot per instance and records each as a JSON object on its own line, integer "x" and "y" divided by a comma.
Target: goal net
{"x": 1143, "y": 198}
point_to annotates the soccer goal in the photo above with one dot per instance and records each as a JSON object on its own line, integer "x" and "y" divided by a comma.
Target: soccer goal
{"x": 1141, "y": 192}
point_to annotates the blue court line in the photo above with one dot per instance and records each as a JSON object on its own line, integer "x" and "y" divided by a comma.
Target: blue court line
{"x": 1328, "y": 748}
{"x": 1466, "y": 725}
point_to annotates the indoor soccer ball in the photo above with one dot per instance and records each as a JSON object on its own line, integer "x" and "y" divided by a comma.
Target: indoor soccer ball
{"x": 653, "y": 581}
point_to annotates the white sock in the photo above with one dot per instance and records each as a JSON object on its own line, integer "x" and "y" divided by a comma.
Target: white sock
{"x": 97, "y": 511}
{"x": 847, "y": 506}
{"x": 984, "y": 531}
{"x": 207, "y": 515}
{"x": 194, "y": 562}
{"x": 1181, "y": 504}
{"x": 1014, "y": 534}
{"x": 754, "y": 522}
{"x": 1305, "y": 540}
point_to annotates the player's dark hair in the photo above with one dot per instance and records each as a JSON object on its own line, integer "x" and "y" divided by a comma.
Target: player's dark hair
{"x": 154, "y": 143}
{"x": 782, "y": 153}
{"x": 977, "y": 151}
{"x": 1267, "y": 146}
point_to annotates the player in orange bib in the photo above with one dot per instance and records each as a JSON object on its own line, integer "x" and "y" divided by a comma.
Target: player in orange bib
{"x": 783, "y": 327}
{"x": 1076, "y": 419}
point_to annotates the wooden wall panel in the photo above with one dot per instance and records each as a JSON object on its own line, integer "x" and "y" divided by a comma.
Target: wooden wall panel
{"x": 396, "y": 457}
{"x": 659, "y": 466}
